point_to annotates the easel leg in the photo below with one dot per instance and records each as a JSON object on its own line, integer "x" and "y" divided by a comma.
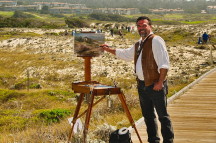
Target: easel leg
{"x": 122, "y": 99}
{"x": 88, "y": 115}
{"x": 75, "y": 115}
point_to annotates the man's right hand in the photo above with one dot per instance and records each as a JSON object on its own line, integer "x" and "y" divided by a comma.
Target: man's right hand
{"x": 106, "y": 48}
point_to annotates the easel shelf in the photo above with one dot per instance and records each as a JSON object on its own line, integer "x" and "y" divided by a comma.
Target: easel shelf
{"x": 97, "y": 88}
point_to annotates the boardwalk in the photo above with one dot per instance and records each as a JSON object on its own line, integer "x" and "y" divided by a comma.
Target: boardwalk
{"x": 193, "y": 114}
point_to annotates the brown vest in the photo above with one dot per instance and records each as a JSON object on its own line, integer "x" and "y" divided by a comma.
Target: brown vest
{"x": 149, "y": 66}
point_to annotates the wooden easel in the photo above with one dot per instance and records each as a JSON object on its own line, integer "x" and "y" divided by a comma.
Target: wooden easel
{"x": 93, "y": 88}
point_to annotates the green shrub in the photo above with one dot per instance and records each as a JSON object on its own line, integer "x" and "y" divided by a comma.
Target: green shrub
{"x": 75, "y": 22}
{"x": 44, "y": 10}
{"x": 54, "y": 115}
{"x": 26, "y": 22}
{"x": 16, "y": 34}
{"x": 59, "y": 92}
{"x": 6, "y": 95}
{"x": 108, "y": 25}
{"x": 110, "y": 17}
{"x": 35, "y": 86}
{"x": 178, "y": 36}
{"x": 166, "y": 22}
{"x": 20, "y": 14}
{"x": 20, "y": 85}
{"x": 133, "y": 36}
{"x": 57, "y": 15}
{"x": 52, "y": 33}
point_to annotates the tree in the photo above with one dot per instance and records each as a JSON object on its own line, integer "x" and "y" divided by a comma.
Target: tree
{"x": 144, "y": 10}
{"x": 45, "y": 10}
{"x": 20, "y": 3}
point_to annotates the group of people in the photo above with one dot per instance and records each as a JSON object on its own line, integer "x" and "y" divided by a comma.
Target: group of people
{"x": 204, "y": 39}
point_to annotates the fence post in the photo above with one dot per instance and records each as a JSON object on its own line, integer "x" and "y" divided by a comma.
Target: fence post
{"x": 211, "y": 56}
{"x": 28, "y": 80}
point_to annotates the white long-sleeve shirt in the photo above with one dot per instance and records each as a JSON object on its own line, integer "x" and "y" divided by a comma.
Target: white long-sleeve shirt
{"x": 159, "y": 51}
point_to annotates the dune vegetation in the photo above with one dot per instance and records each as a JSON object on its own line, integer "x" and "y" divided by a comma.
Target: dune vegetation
{"x": 38, "y": 65}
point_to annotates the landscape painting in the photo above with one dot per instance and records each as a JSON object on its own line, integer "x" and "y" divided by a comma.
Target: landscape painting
{"x": 88, "y": 44}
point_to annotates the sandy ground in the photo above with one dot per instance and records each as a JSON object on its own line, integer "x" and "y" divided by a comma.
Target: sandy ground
{"x": 185, "y": 60}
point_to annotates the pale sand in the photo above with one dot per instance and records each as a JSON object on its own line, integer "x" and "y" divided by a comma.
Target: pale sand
{"x": 185, "y": 60}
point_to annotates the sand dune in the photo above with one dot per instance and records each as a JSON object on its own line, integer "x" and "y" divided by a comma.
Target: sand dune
{"x": 185, "y": 60}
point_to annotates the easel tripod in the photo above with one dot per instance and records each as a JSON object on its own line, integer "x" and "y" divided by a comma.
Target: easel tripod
{"x": 93, "y": 88}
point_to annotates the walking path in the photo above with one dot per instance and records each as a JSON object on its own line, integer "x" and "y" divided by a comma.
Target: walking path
{"x": 193, "y": 113}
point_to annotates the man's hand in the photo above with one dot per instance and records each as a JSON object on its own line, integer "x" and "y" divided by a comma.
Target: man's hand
{"x": 106, "y": 48}
{"x": 158, "y": 86}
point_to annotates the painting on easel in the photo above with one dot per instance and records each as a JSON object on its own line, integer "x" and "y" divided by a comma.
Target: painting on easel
{"x": 87, "y": 44}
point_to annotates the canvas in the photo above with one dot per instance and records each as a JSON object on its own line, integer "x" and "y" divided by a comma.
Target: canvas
{"x": 87, "y": 44}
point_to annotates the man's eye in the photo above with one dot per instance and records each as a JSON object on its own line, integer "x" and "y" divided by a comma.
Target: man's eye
{"x": 142, "y": 26}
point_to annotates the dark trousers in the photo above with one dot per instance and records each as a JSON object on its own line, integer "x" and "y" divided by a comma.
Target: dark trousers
{"x": 150, "y": 100}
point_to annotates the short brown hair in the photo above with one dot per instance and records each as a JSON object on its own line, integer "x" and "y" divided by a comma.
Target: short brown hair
{"x": 143, "y": 18}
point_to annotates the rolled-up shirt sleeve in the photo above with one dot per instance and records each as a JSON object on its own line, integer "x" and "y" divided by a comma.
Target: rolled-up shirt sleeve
{"x": 126, "y": 54}
{"x": 160, "y": 53}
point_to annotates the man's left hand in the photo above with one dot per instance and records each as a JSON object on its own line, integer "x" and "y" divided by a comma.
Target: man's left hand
{"x": 158, "y": 86}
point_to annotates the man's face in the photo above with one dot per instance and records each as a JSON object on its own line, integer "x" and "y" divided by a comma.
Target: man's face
{"x": 144, "y": 28}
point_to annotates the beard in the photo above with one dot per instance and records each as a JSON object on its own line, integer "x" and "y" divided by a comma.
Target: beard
{"x": 142, "y": 33}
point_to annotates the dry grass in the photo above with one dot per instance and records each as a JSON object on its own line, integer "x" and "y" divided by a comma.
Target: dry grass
{"x": 53, "y": 133}
{"x": 27, "y": 106}
{"x": 19, "y": 110}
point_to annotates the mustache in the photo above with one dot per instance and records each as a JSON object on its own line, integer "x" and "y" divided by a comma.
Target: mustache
{"x": 142, "y": 30}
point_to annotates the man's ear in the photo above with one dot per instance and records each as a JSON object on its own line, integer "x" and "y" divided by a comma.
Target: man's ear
{"x": 151, "y": 26}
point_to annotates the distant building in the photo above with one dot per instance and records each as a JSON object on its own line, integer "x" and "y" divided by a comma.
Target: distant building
{"x": 77, "y": 5}
{"x": 211, "y": 9}
{"x": 7, "y": 3}
{"x": 203, "y": 12}
{"x": 121, "y": 11}
{"x": 69, "y": 10}
{"x": 58, "y": 4}
{"x": 19, "y": 8}
{"x": 65, "y": 8}
{"x": 165, "y": 11}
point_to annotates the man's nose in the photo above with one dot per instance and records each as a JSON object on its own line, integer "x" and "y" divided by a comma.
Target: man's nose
{"x": 141, "y": 28}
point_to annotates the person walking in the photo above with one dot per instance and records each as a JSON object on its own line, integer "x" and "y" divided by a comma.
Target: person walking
{"x": 120, "y": 33}
{"x": 111, "y": 32}
{"x": 151, "y": 66}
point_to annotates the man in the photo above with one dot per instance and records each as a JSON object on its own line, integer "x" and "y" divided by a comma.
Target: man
{"x": 205, "y": 37}
{"x": 151, "y": 65}
{"x": 112, "y": 32}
